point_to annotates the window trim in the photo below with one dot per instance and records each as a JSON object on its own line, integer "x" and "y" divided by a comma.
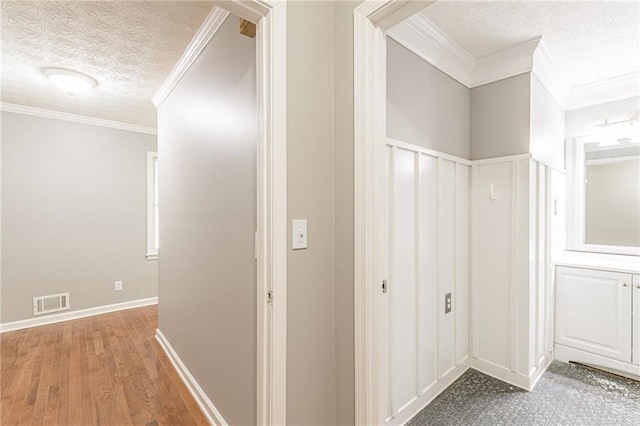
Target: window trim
{"x": 152, "y": 246}
{"x": 576, "y": 218}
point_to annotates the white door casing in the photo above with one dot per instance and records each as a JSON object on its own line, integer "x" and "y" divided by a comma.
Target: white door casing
{"x": 371, "y": 21}
{"x": 270, "y": 18}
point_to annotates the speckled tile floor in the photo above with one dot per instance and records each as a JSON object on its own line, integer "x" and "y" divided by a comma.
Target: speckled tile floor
{"x": 567, "y": 394}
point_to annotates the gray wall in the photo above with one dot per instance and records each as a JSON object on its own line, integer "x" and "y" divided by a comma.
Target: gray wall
{"x": 310, "y": 272}
{"x": 547, "y": 126}
{"x": 207, "y": 137}
{"x": 500, "y": 118}
{"x": 73, "y": 214}
{"x": 425, "y": 106}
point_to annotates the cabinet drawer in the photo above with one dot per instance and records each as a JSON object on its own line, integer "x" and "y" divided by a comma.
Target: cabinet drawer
{"x": 593, "y": 311}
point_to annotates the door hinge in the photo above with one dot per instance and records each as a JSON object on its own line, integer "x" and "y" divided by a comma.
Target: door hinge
{"x": 384, "y": 286}
{"x": 270, "y": 297}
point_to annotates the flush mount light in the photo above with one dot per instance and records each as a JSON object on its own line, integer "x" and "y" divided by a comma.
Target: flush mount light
{"x": 71, "y": 82}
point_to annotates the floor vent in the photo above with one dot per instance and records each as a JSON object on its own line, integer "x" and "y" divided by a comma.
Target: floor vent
{"x": 52, "y": 303}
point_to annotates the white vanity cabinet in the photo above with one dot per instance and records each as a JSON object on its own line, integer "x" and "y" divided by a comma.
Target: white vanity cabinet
{"x": 636, "y": 320}
{"x": 598, "y": 318}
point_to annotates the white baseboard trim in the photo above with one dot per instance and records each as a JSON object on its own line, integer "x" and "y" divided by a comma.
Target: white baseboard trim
{"x": 208, "y": 409}
{"x": 567, "y": 354}
{"x": 430, "y": 393}
{"x": 72, "y": 315}
{"x": 516, "y": 379}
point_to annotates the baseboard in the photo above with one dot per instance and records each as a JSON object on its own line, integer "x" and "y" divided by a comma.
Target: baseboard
{"x": 431, "y": 393}
{"x": 209, "y": 410}
{"x": 72, "y": 315}
{"x": 567, "y": 354}
{"x": 504, "y": 374}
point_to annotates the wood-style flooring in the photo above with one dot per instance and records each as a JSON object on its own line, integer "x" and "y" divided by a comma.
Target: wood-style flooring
{"x": 102, "y": 370}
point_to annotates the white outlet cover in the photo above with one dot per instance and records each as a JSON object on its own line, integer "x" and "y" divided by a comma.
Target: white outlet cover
{"x": 117, "y": 286}
{"x": 299, "y": 234}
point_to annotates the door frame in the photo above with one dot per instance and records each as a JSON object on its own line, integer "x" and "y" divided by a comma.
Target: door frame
{"x": 270, "y": 17}
{"x": 371, "y": 21}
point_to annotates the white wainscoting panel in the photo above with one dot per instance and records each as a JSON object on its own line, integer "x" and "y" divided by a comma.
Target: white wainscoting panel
{"x": 424, "y": 349}
{"x": 402, "y": 284}
{"x": 462, "y": 270}
{"x": 512, "y": 290}
{"x": 446, "y": 264}
{"x": 492, "y": 257}
{"x": 428, "y": 272}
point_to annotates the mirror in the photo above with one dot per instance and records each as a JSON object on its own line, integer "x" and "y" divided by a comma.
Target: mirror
{"x": 612, "y": 194}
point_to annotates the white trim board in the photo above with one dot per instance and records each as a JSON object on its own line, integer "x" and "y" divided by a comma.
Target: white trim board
{"x": 427, "y": 40}
{"x": 205, "y": 33}
{"x": 434, "y": 390}
{"x": 567, "y": 354}
{"x": 431, "y": 152}
{"x": 208, "y": 408}
{"x": 75, "y": 118}
{"x": 424, "y": 38}
{"x": 511, "y": 377}
{"x": 81, "y": 313}
{"x": 608, "y": 90}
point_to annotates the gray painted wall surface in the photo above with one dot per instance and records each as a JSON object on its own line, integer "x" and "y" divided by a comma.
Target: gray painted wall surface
{"x": 207, "y": 136}
{"x": 310, "y": 272}
{"x": 500, "y": 118}
{"x": 425, "y": 106}
{"x": 547, "y": 126}
{"x": 343, "y": 211}
{"x": 74, "y": 218}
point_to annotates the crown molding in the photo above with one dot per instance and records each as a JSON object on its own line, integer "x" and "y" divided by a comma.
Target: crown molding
{"x": 505, "y": 63}
{"x": 205, "y": 33}
{"x": 427, "y": 40}
{"x": 612, "y": 89}
{"x": 550, "y": 75}
{"x": 82, "y": 119}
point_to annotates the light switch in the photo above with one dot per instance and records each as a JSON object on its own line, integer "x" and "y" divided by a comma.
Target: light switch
{"x": 299, "y": 234}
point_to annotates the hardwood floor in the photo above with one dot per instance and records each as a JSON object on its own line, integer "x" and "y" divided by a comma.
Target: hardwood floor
{"x": 102, "y": 370}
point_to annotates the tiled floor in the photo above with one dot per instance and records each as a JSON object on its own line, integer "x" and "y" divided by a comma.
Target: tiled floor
{"x": 567, "y": 394}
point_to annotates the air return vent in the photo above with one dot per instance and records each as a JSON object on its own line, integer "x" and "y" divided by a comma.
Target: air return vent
{"x": 52, "y": 303}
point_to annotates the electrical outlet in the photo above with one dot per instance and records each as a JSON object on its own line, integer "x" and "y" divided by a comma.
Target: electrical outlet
{"x": 447, "y": 303}
{"x": 117, "y": 286}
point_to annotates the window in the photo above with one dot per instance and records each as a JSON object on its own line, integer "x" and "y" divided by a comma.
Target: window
{"x": 152, "y": 206}
{"x": 604, "y": 192}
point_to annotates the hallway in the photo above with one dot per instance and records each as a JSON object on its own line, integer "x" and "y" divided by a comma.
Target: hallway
{"x": 105, "y": 369}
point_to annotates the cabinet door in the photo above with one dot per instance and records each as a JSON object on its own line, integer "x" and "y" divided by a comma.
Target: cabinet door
{"x": 636, "y": 319}
{"x": 593, "y": 311}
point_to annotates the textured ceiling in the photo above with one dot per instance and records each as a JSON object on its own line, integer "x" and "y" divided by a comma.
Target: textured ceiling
{"x": 589, "y": 40}
{"x": 129, "y": 47}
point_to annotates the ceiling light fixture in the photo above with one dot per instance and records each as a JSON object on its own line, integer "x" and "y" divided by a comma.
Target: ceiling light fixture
{"x": 71, "y": 82}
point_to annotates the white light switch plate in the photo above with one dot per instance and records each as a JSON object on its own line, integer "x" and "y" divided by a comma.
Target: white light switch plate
{"x": 299, "y": 234}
